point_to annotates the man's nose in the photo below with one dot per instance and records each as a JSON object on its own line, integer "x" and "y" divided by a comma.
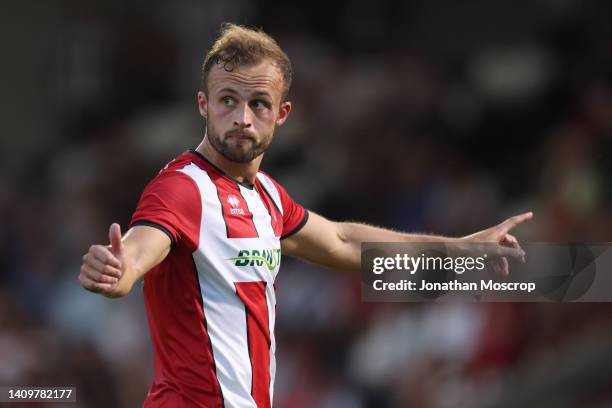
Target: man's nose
{"x": 244, "y": 116}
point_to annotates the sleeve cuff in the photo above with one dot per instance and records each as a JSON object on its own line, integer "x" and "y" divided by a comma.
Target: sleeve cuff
{"x": 297, "y": 227}
{"x": 155, "y": 225}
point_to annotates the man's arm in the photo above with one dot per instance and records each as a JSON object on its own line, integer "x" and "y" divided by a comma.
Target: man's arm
{"x": 338, "y": 244}
{"x": 112, "y": 270}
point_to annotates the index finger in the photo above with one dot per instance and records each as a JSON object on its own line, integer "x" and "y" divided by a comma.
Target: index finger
{"x": 514, "y": 221}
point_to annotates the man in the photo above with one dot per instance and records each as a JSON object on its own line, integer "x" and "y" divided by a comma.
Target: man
{"x": 208, "y": 232}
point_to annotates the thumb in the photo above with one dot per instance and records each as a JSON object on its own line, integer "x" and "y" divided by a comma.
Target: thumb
{"x": 114, "y": 236}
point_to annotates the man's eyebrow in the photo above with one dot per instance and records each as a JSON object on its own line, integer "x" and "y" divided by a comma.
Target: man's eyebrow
{"x": 262, "y": 93}
{"x": 256, "y": 93}
{"x": 230, "y": 90}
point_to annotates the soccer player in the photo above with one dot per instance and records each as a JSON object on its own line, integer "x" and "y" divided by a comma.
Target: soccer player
{"x": 208, "y": 232}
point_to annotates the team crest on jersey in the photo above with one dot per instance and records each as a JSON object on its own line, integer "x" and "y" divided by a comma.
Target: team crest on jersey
{"x": 257, "y": 257}
{"x": 233, "y": 201}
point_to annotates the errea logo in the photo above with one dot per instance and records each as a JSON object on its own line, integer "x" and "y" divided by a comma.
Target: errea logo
{"x": 233, "y": 201}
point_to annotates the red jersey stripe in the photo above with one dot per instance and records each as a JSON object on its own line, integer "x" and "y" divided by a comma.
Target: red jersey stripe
{"x": 253, "y": 295}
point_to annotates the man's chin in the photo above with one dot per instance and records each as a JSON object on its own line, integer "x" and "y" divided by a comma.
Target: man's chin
{"x": 238, "y": 151}
{"x": 239, "y": 155}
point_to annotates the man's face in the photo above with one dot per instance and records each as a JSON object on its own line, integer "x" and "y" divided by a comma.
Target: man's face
{"x": 242, "y": 109}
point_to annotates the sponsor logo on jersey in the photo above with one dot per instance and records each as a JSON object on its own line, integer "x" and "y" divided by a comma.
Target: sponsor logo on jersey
{"x": 258, "y": 257}
{"x": 235, "y": 204}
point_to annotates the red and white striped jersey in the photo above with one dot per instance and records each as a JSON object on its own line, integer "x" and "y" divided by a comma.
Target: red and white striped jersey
{"x": 210, "y": 303}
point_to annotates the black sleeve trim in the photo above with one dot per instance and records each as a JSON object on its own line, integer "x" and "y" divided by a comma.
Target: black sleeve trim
{"x": 298, "y": 227}
{"x": 155, "y": 225}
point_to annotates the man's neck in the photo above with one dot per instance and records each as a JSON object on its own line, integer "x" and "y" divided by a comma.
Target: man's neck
{"x": 242, "y": 172}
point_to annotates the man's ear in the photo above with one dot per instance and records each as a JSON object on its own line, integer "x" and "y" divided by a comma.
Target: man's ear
{"x": 203, "y": 104}
{"x": 283, "y": 112}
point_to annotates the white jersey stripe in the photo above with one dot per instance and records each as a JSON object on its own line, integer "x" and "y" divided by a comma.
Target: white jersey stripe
{"x": 261, "y": 217}
{"x": 271, "y": 299}
{"x": 271, "y": 189}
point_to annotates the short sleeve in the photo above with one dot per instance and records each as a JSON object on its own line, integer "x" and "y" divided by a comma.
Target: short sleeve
{"x": 294, "y": 215}
{"x": 171, "y": 202}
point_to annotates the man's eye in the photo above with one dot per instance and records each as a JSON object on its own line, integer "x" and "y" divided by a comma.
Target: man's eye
{"x": 259, "y": 104}
{"x": 228, "y": 101}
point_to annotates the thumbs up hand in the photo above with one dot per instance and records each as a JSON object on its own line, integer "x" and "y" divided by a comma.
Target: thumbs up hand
{"x": 104, "y": 266}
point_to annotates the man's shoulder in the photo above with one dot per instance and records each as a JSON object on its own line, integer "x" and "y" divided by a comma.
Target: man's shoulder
{"x": 274, "y": 189}
{"x": 173, "y": 176}
{"x": 268, "y": 183}
{"x": 265, "y": 178}
{"x": 184, "y": 166}
{"x": 178, "y": 163}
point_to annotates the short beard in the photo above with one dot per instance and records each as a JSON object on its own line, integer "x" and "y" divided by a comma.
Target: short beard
{"x": 233, "y": 153}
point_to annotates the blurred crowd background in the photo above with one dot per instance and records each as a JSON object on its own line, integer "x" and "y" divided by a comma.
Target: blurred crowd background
{"x": 424, "y": 115}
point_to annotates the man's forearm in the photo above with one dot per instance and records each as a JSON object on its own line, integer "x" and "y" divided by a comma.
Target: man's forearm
{"x": 353, "y": 234}
{"x": 338, "y": 244}
{"x": 358, "y": 233}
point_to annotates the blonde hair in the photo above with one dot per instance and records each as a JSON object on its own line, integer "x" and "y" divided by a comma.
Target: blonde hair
{"x": 242, "y": 46}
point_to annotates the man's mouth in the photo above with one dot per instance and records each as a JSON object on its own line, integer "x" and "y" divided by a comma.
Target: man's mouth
{"x": 241, "y": 136}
